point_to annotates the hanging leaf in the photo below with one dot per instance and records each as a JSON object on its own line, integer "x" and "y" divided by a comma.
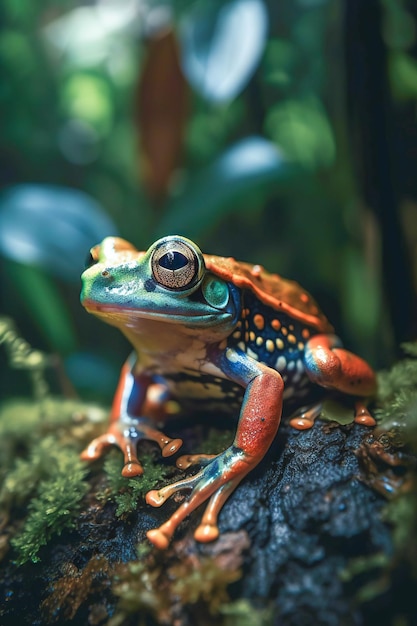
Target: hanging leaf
{"x": 51, "y": 228}
{"x": 252, "y": 164}
{"x": 221, "y": 45}
{"x": 162, "y": 106}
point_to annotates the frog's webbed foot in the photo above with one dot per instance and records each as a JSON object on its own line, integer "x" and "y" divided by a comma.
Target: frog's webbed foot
{"x": 215, "y": 482}
{"x": 125, "y": 434}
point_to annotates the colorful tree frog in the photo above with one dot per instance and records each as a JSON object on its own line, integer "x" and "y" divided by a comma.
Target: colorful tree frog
{"x": 212, "y": 333}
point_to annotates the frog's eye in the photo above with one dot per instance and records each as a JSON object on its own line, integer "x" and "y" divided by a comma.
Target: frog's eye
{"x": 175, "y": 265}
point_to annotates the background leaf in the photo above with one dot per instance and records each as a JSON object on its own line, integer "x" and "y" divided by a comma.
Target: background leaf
{"x": 253, "y": 164}
{"x": 222, "y": 43}
{"x": 51, "y": 227}
{"x": 162, "y": 106}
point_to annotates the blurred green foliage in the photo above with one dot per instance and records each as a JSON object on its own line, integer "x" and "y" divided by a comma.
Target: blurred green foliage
{"x": 74, "y": 114}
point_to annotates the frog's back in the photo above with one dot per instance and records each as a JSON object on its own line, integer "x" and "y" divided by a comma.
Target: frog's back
{"x": 284, "y": 296}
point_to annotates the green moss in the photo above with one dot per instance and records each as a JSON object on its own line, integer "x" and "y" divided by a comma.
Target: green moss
{"x": 42, "y": 476}
{"x": 397, "y": 398}
{"x": 57, "y": 486}
{"x": 243, "y": 613}
{"x": 127, "y": 492}
{"x": 216, "y": 441}
{"x": 391, "y": 463}
{"x": 401, "y": 513}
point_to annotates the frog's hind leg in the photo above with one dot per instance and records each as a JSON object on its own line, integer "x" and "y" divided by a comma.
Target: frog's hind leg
{"x": 328, "y": 364}
{"x": 304, "y": 418}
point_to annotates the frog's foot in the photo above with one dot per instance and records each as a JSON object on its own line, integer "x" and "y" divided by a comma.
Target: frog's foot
{"x": 215, "y": 482}
{"x": 305, "y": 418}
{"x": 362, "y": 415}
{"x": 126, "y": 436}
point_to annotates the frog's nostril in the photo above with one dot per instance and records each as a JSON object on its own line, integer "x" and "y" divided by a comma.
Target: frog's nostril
{"x": 105, "y": 274}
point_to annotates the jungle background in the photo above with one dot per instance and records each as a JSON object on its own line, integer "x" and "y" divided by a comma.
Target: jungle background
{"x": 281, "y": 133}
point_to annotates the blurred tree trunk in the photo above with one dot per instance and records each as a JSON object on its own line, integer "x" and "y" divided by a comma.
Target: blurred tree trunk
{"x": 376, "y": 142}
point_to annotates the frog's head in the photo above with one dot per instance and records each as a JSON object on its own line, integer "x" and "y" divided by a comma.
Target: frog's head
{"x": 169, "y": 283}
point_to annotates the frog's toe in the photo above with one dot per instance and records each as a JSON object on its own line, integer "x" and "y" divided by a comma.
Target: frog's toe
{"x": 300, "y": 423}
{"x": 365, "y": 420}
{"x": 187, "y": 460}
{"x": 171, "y": 447}
{"x": 305, "y": 417}
{"x": 96, "y": 448}
{"x": 206, "y": 532}
{"x": 168, "y": 446}
{"x": 131, "y": 469}
{"x": 158, "y": 538}
{"x": 362, "y": 415}
{"x": 155, "y": 498}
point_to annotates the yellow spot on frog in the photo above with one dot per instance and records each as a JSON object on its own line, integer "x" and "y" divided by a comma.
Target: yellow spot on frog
{"x": 259, "y": 341}
{"x": 292, "y": 339}
{"x": 300, "y": 345}
{"x": 252, "y": 354}
{"x": 284, "y": 331}
{"x": 252, "y": 335}
{"x": 279, "y": 343}
{"x": 306, "y": 333}
{"x": 270, "y": 346}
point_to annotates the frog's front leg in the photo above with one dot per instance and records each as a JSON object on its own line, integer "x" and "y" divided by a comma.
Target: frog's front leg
{"x": 135, "y": 395}
{"x": 258, "y": 423}
{"x": 328, "y": 364}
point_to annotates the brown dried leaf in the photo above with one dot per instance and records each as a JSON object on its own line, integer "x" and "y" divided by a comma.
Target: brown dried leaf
{"x": 162, "y": 106}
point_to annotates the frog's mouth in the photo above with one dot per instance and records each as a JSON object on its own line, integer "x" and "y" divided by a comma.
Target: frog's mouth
{"x": 132, "y": 315}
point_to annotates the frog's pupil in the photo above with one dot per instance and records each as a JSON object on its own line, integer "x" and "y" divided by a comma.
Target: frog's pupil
{"x": 173, "y": 260}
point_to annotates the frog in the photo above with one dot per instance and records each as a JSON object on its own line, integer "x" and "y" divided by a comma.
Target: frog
{"x": 215, "y": 333}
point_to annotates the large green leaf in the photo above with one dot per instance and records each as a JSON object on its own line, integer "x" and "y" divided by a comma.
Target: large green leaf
{"x": 253, "y": 164}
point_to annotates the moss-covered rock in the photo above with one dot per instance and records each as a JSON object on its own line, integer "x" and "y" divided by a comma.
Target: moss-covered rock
{"x": 321, "y": 532}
